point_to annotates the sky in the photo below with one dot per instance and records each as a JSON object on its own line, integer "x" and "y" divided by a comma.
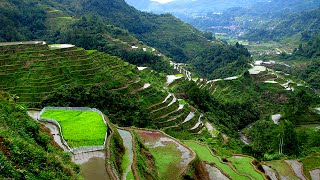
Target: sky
{"x": 162, "y": 1}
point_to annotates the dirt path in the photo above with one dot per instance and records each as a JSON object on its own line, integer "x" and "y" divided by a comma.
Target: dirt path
{"x": 54, "y": 130}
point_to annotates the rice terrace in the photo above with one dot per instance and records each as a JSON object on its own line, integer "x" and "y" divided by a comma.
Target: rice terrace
{"x": 121, "y": 90}
{"x": 79, "y": 127}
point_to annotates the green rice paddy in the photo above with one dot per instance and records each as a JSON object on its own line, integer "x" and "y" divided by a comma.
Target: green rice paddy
{"x": 310, "y": 163}
{"x": 282, "y": 168}
{"x": 205, "y": 155}
{"x": 167, "y": 157}
{"x": 244, "y": 166}
{"x": 79, "y": 128}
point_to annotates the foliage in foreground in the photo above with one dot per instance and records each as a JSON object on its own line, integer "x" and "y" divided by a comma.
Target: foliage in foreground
{"x": 27, "y": 151}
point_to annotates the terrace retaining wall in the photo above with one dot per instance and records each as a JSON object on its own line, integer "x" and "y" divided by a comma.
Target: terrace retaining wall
{"x": 188, "y": 164}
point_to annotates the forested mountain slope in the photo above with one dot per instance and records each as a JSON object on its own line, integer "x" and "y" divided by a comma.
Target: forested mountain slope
{"x": 306, "y": 60}
{"x": 286, "y": 25}
{"x": 62, "y": 21}
{"x": 27, "y": 151}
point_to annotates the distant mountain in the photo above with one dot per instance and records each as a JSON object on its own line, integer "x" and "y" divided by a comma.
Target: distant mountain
{"x": 108, "y": 25}
{"x": 231, "y": 17}
{"x": 186, "y": 9}
{"x": 295, "y": 24}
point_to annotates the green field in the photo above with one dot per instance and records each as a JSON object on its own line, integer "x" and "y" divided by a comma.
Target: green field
{"x": 205, "y": 155}
{"x": 310, "y": 163}
{"x": 282, "y": 168}
{"x": 165, "y": 151}
{"x": 244, "y": 166}
{"x": 167, "y": 157}
{"x": 125, "y": 161}
{"x": 79, "y": 128}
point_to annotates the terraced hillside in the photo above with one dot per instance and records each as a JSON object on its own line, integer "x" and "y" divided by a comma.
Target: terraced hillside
{"x": 171, "y": 157}
{"x": 41, "y": 75}
{"x": 34, "y": 71}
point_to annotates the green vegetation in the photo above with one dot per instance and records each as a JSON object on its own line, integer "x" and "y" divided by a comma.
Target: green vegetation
{"x": 145, "y": 162}
{"x": 181, "y": 101}
{"x": 222, "y": 61}
{"x": 306, "y": 60}
{"x": 282, "y": 168}
{"x": 117, "y": 151}
{"x": 93, "y": 26}
{"x": 79, "y": 128}
{"x": 130, "y": 176}
{"x": 27, "y": 150}
{"x": 125, "y": 162}
{"x": 244, "y": 166}
{"x": 206, "y": 155}
{"x": 39, "y": 76}
{"x": 310, "y": 163}
{"x": 291, "y": 25}
{"x": 166, "y": 158}
{"x": 32, "y": 75}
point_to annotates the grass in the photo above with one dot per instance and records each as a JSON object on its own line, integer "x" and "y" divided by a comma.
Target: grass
{"x": 167, "y": 160}
{"x": 310, "y": 163}
{"x": 79, "y": 128}
{"x": 130, "y": 176}
{"x": 282, "y": 168}
{"x": 167, "y": 157}
{"x": 125, "y": 164}
{"x": 182, "y": 101}
{"x": 178, "y": 75}
{"x": 243, "y": 165}
{"x": 125, "y": 161}
{"x": 205, "y": 155}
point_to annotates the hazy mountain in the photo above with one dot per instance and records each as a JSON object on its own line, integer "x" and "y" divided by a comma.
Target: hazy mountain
{"x": 231, "y": 17}
{"x": 190, "y": 8}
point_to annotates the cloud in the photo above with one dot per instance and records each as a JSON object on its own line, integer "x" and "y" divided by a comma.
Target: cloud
{"x": 162, "y": 1}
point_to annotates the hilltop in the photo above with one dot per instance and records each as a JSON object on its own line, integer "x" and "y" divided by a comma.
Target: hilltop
{"x": 107, "y": 29}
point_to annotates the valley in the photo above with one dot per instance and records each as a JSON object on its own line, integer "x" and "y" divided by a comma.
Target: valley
{"x": 169, "y": 112}
{"x": 100, "y": 90}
